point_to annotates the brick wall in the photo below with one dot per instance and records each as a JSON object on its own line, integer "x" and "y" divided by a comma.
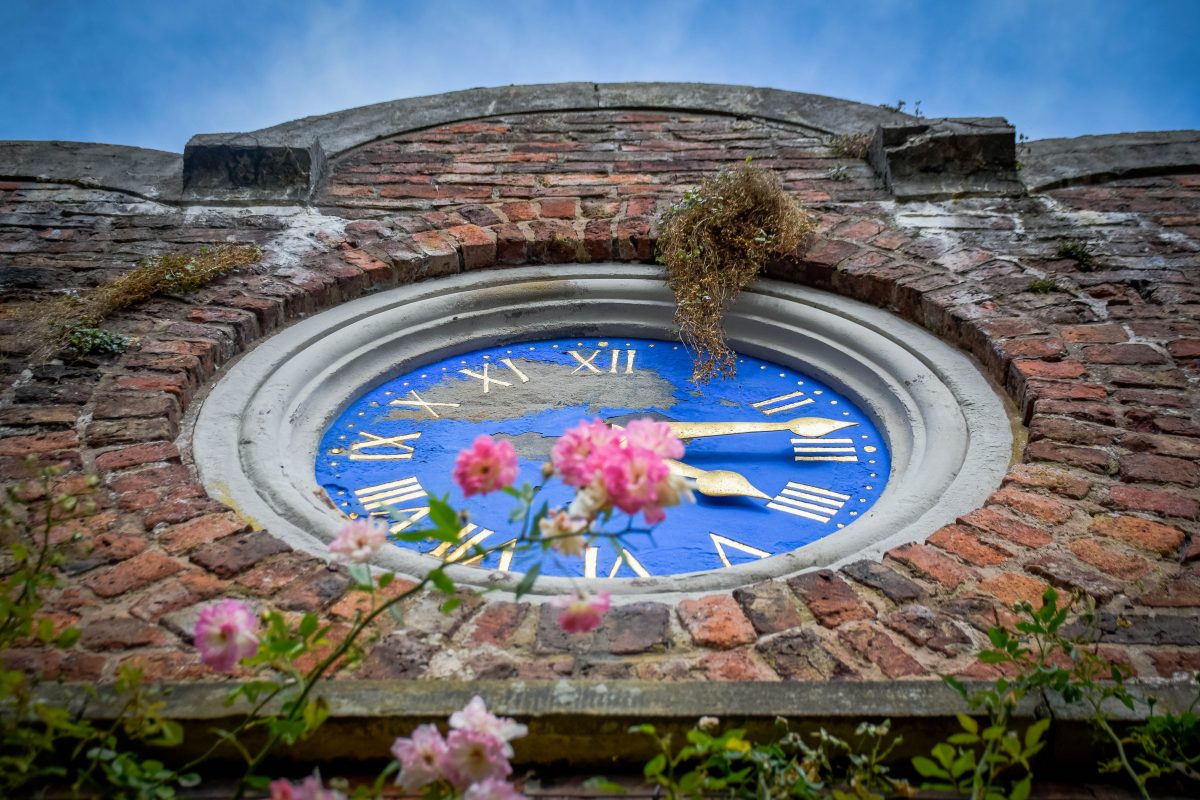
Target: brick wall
{"x": 1103, "y": 499}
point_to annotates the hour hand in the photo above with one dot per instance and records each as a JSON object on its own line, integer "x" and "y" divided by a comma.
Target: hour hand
{"x": 812, "y": 427}
{"x": 716, "y": 482}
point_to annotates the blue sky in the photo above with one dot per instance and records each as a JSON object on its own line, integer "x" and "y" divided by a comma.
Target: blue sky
{"x": 154, "y": 72}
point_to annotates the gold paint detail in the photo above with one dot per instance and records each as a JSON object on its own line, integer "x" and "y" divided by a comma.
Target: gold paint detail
{"x": 870, "y": 449}
{"x": 771, "y": 404}
{"x": 810, "y": 502}
{"x": 404, "y": 451}
{"x": 386, "y": 494}
{"x": 584, "y": 363}
{"x": 508, "y": 363}
{"x": 824, "y": 449}
{"x": 485, "y": 377}
{"x": 800, "y": 426}
{"x": 717, "y": 482}
{"x": 418, "y": 402}
{"x": 721, "y": 542}
{"x": 469, "y": 536}
{"x": 614, "y": 366}
{"x": 591, "y": 558}
{"x": 506, "y": 555}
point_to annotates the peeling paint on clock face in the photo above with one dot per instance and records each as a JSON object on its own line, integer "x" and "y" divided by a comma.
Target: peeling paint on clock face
{"x": 791, "y": 483}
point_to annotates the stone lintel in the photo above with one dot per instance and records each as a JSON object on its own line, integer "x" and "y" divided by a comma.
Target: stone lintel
{"x": 947, "y": 158}
{"x": 247, "y": 166}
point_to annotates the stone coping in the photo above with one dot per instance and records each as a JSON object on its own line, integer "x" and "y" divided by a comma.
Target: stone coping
{"x": 1054, "y": 163}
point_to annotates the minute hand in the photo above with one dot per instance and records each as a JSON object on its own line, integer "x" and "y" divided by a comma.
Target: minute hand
{"x": 801, "y": 426}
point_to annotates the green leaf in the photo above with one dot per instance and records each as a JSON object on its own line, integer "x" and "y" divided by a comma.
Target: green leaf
{"x": 645, "y": 728}
{"x": 604, "y": 785}
{"x": 361, "y": 574}
{"x": 962, "y": 738}
{"x": 386, "y": 579}
{"x": 528, "y": 580}
{"x": 308, "y": 625}
{"x": 443, "y": 515}
{"x": 451, "y": 604}
{"x": 969, "y": 725}
{"x": 1020, "y": 789}
{"x": 927, "y": 769}
{"x": 68, "y": 638}
{"x": 1033, "y": 734}
{"x": 655, "y": 766}
{"x": 441, "y": 581}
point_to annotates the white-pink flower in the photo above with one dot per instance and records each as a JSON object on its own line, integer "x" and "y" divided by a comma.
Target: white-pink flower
{"x": 487, "y": 465}
{"x": 358, "y": 540}
{"x": 654, "y": 436}
{"x": 564, "y": 532}
{"x": 473, "y": 756}
{"x": 476, "y": 717}
{"x": 632, "y": 476}
{"x": 581, "y": 612}
{"x": 225, "y": 633}
{"x": 492, "y": 789}
{"x": 308, "y": 789}
{"x": 422, "y": 758}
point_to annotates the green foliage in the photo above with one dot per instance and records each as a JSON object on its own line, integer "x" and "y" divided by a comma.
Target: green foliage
{"x": 84, "y": 341}
{"x": 1079, "y": 252}
{"x": 852, "y": 145}
{"x": 1043, "y": 286}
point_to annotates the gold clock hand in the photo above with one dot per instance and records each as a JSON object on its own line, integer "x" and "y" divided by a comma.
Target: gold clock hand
{"x": 716, "y": 482}
{"x": 801, "y": 426}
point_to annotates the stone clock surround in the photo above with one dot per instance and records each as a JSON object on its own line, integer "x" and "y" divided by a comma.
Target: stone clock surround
{"x": 1103, "y": 498}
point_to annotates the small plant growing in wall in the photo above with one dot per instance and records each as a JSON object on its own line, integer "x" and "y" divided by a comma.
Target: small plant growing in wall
{"x": 1044, "y": 286}
{"x": 851, "y": 145}
{"x": 1079, "y": 252}
{"x": 714, "y": 242}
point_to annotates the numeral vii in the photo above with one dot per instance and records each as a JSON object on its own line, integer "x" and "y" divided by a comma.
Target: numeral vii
{"x": 810, "y": 502}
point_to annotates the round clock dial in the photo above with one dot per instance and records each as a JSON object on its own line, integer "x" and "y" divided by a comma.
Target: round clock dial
{"x": 777, "y": 459}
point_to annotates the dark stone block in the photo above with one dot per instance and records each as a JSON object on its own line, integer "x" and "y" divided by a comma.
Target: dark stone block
{"x": 946, "y": 158}
{"x": 895, "y": 586}
{"x": 249, "y": 166}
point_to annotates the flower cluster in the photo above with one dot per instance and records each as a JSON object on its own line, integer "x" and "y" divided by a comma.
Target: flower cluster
{"x": 473, "y": 758}
{"x": 359, "y": 540}
{"x": 226, "y": 632}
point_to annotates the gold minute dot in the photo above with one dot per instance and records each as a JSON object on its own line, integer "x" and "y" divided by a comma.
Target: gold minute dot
{"x": 870, "y": 448}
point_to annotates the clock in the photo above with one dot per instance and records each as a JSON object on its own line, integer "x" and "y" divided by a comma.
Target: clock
{"x": 777, "y": 459}
{"x": 846, "y": 432}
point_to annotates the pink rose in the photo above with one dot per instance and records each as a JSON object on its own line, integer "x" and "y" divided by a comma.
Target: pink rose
{"x": 422, "y": 758}
{"x": 476, "y": 717}
{"x": 486, "y": 466}
{"x": 649, "y": 434}
{"x": 581, "y": 612}
{"x": 492, "y": 789}
{"x": 226, "y": 632}
{"x": 579, "y": 452}
{"x": 473, "y": 756}
{"x": 631, "y": 477}
{"x": 308, "y": 789}
{"x": 359, "y": 539}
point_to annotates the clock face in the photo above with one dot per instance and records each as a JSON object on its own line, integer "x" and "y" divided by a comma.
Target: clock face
{"x": 777, "y": 459}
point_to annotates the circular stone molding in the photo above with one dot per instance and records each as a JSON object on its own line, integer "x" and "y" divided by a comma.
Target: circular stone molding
{"x": 257, "y": 432}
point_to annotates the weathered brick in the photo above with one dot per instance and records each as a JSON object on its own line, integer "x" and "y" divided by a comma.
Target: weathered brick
{"x": 231, "y": 555}
{"x": 1107, "y": 560}
{"x": 1088, "y": 458}
{"x": 890, "y": 583}
{"x": 931, "y": 563}
{"x": 1123, "y": 354}
{"x": 966, "y": 544}
{"x": 1168, "y": 504}
{"x": 38, "y": 443}
{"x": 1152, "y": 468}
{"x": 129, "y": 576}
{"x": 769, "y": 606}
{"x": 478, "y": 245}
{"x": 1106, "y": 333}
{"x": 1011, "y": 588}
{"x": 103, "y": 433}
{"x": 313, "y": 591}
{"x": 1046, "y": 509}
{"x": 1064, "y": 370}
{"x": 716, "y": 621}
{"x": 829, "y": 598}
{"x": 121, "y": 633}
{"x": 1041, "y": 476}
{"x": 1063, "y": 573}
{"x": 802, "y": 656}
{"x": 498, "y": 621}
{"x": 201, "y": 530}
{"x": 927, "y": 628}
{"x": 1012, "y": 529}
{"x": 735, "y": 665}
{"x": 876, "y": 647}
{"x": 1154, "y": 536}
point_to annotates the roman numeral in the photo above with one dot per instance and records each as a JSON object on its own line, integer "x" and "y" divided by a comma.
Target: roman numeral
{"x": 469, "y": 538}
{"x": 721, "y": 542}
{"x": 810, "y": 502}
{"x": 824, "y": 450}
{"x": 488, "y": 380}
{"x": 403, "y": 451}
{"x": 614, "y": 366}
{"x": 591, "y": 557}
{"x": 388, "y": 494}
{"x": 418, "y": 402}
{"x": 773, "y": 405}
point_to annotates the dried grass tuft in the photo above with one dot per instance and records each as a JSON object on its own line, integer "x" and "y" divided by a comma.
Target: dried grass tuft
{"x": 852, "y": 145}
{"x": 50, "y": 323}
{"x": 714, "y": 242}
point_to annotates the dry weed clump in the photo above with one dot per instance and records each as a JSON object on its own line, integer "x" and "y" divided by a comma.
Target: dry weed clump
{"x": 52, "y": 325}
{"x": 852, "y": 145}
{"x": 714, "y": 242}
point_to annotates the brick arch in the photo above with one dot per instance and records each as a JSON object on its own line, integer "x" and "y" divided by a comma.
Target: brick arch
{"x": 1108, "y": 402}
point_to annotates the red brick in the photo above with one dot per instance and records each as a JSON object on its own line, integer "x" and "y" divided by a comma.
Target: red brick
{"x": 478, "y": 245}
{"x": 1088, "y": 458}
{"x": 50, "y": 416}
{"x": 497, "y": 622}
{"x": 201, "y": 530}
{"x": 519, "y": 211}
{"x": 1170, "y": 663}
{"x": 1178, "y": 446}
{"x": 180, "y": 592}
{"x": 927, "y": 628}
{"x": 830, "y": 598}
{"x": 38, "y": 443}
{"x": 136, "y": 573}
{"x": 1100, "y": 413}
{"x": 1152, "y": 468}
{"x": 830, "y": 252}
{"x": 1031, "y": 348}
{"x": 735, "y": 665}
{"x": 1047, "y": 509}
{"x": 716, "y": 621}
{"x": 932, "y": 563}
{"x": 1041, "y": 476}
{"x": 563, "y": 208}
{"x": 859, "y": 231}
{"x": 1106, "y": 560}
{"x": 1048, "y": 370}
{"x": 1135, "y": 498}
{"x": 769, "y": 606}
{"x": 1182, "y": 591}
{"x": 1071, "y": 431}
{"x": 1106, "y": 333}
{"x": 1154, "y": 536}
{"x": 234, "y": 554}
{"x": 102, "y": 433}
{"x": 1011, "y": 588}
{"x": 966, "y": 544}
{"x": 890, "y": 240}
{"x": 1123, "y": 354}
{"x": 1043, "y": 390}
{"x": 876, "y": 647}
{"x": 1184, "y": 348}
{"x": 121, "y": 633}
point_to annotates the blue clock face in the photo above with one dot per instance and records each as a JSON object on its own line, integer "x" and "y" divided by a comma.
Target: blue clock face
{"x": 791, "y": 461}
